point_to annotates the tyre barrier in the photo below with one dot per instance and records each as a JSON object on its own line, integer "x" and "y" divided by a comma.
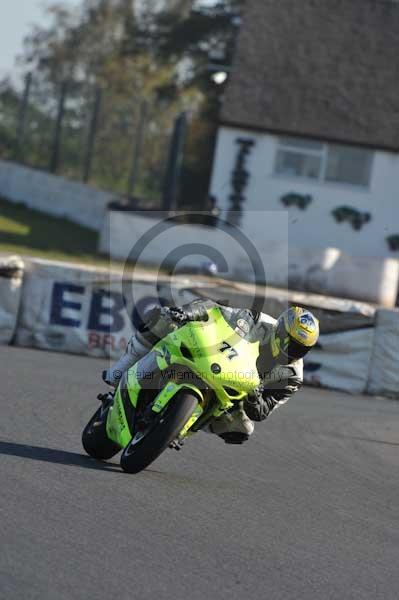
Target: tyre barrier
{"x": 11, "y": 277}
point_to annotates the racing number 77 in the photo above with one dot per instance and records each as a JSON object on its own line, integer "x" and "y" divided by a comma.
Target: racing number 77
{"x": 232, "y": 352}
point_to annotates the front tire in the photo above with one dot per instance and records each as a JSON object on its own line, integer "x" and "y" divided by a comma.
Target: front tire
{"x": 94, "y": 437}
{"x": 139, "y": 454}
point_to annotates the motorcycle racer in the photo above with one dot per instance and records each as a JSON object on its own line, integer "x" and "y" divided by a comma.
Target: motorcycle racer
{"x": 283, "y": 343}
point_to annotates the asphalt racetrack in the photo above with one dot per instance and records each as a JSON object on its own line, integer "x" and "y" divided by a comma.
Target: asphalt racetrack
{"x": 307, "y": 509}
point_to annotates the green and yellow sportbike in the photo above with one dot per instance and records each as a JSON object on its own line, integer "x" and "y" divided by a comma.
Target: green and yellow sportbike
{"x": 194, "y": 374}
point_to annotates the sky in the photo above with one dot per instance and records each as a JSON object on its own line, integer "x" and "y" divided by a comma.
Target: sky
{"x": 16, "y": 18}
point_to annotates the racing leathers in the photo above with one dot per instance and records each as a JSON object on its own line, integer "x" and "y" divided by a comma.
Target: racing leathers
{"x": 278, "y": 381}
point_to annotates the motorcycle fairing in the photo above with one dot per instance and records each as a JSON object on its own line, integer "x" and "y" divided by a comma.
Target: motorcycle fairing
{"x": 212, "y": 351}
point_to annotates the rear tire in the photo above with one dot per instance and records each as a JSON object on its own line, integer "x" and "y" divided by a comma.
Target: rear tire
{"x": 94, "y": 437}
{"x": 137, "y": 456}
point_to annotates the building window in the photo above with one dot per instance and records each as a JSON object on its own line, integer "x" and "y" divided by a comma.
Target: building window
{"x": 323, "y": 162}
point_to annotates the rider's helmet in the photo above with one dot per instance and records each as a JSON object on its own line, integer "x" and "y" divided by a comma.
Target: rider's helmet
{"x": 295, "y": 333}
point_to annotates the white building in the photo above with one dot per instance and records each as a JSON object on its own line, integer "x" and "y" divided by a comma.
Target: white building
{"x": 310, "y": 123}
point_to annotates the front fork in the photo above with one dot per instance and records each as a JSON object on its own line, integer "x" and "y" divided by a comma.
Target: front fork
{"x": 166, "y": 395}
{"x": 118, "y": 429}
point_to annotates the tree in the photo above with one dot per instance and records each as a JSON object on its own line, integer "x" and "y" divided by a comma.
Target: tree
{"x": 200, "y": 40}
{"x": 135, "y": 51}
{"x": 101, "y": 46}
{"x": 9, "y": 103}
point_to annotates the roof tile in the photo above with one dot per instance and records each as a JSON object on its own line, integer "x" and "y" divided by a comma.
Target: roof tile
{"x": 321, "y": 68}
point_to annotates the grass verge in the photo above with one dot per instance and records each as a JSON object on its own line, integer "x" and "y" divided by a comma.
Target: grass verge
{"x": 25, "y": 231}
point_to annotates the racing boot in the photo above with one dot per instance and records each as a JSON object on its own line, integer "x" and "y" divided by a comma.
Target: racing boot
{"x": 155, "y": 325}
{"x": 234, "y": 427}
{"x": 137, "y": 347}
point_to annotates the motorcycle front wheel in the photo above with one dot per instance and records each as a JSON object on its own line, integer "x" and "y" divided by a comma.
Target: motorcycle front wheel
{"x": 146, "y": 446}
{"x": 94, "y": 437}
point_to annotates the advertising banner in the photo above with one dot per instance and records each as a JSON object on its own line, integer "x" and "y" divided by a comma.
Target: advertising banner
{"x": 83, "y": 310}
{"x": 384, "y": 368}
{"x": 341, "y": 361}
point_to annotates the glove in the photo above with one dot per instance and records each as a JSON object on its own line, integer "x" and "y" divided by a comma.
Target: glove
{"x": 177, "y": 315}
{"x": 257, "y": 406}
{"x": 182, "y": 316}
{"x": 197, "y": 312}
{"x": 257, "y": 394}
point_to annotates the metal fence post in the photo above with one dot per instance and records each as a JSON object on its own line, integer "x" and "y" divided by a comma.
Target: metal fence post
{"x": 22, "y": 116}
{"x": 175, "y": 159}
{"x": 137, "y": 149}
{"x": 55, "y": 153}
{"x": 91, "y": 138}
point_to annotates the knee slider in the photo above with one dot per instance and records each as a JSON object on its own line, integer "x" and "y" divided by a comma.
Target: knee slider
{"x": 234, "y": 437}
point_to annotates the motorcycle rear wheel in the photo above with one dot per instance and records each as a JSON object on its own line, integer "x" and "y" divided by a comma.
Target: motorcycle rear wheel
{"x": 94, "y": 437}
{"x": 140, "y": 453}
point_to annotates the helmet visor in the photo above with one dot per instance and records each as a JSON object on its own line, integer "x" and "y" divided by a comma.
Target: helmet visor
{"x": 290, "y": 349}
{"x": 295, "y": 350}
